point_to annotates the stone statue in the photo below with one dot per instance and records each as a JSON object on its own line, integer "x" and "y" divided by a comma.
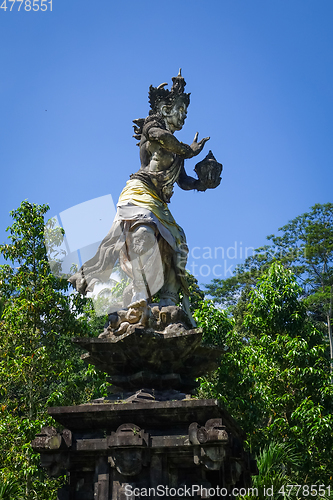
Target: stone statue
{"x": 150, "y": 432}
{"x": 150, "y": 245}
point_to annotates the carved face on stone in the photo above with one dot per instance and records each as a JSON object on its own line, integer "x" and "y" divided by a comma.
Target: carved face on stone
{"x": 174, "y": 116}
{"x": 128, "y": 461}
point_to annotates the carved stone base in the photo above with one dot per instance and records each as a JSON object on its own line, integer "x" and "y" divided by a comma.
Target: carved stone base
{"x": 111, "y": 449}
{"x": 142, "y": 396}
{"x": 143, "y": 357}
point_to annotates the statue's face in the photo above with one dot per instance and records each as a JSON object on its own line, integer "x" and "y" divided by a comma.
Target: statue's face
{"x": 175, "y": 117}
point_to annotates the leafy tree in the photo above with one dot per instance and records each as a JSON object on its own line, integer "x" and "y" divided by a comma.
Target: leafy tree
{"x": 39, "y": 367}
{"x": 214, "y": 322}
{"x": 306, "y": 248}
{"x": 273, "y": 463}
{"x": 274, "y": 377}
{"x": 9, "y": 489}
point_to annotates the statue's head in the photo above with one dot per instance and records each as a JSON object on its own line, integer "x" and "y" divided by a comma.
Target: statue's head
{"x": 170, "y": 104}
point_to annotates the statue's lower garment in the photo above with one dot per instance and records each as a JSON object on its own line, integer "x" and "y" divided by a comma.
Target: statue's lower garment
{"x": 139, "y": 206}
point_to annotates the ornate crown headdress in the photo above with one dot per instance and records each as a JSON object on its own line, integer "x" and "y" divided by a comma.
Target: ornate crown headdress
{"x": 160, "y": 94}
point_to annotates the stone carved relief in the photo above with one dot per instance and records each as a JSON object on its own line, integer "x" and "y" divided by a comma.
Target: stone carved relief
{"x": 164, "y": 319}
{"x": 212, "y": 432}
{"x": 127, "y": 453}
{"x": 53, "y": 445}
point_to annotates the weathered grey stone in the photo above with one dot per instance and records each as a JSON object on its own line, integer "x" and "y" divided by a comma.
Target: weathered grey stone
{"x": 142, "y": 395}
{"x": 170, "y": 443}
{"x": 147, "y": 358}
{"x": 164, "y": 319}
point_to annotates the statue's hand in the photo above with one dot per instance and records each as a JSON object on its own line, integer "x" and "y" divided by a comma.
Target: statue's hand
{"x": 196, "y": 146}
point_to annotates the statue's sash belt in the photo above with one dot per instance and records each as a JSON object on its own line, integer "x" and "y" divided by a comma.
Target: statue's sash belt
{"x": 137, "y": 193}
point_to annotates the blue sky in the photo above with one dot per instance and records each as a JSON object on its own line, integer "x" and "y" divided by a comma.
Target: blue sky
{"x": 260, "y": 73}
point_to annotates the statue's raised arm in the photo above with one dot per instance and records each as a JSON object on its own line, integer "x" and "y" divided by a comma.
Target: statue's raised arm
{"x": 150, "y": 245}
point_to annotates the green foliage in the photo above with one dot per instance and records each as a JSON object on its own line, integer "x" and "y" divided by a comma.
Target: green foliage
{"x": 274, "y": 377}
{"x": 9, "y": 489}
{"x": 274, "y": 305}
{"x": 39, "y": 366}
{"x": 196, "y": 294}
{"x": 19, "y": 464}
{"x": 305, "y": 246}
{"x": 214, "y": 322}
{"x": 274, "y": 461}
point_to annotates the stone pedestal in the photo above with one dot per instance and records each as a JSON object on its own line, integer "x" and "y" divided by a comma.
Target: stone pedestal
{"x": 120, "y": 450}
{"x": 150, "y": 436}
{"x": 145, "y": 357}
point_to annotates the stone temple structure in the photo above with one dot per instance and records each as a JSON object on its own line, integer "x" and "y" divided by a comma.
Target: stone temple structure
{"x": 150, "y": 437}
{"x": 149, "y": 434}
